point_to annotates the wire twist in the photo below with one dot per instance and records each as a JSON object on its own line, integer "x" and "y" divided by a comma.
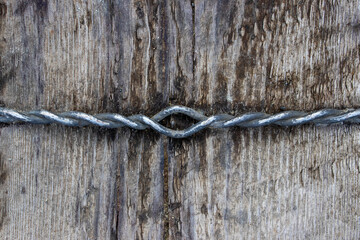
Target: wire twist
{"x": 140, "y": 122}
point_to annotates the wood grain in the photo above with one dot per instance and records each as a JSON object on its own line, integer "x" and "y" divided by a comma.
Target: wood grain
{"x": 292, "y": 183}
{"x": 216, "y": 56}
{"x": 92, "y": 56}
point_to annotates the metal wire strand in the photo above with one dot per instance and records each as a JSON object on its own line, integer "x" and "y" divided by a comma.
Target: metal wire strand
{"x": 140, "y": 122}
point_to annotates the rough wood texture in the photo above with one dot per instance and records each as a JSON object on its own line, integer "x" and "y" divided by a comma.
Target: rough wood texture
{"x": 217, "y": 56}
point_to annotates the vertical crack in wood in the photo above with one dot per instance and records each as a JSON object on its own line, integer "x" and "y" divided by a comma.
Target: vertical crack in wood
{"x": 164, "y": 67}
{"x": 193, "y": 38}
{"x": 166, "y": 190}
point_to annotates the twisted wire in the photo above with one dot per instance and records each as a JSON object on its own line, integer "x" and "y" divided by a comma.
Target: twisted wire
{"x": 140, "y": 122}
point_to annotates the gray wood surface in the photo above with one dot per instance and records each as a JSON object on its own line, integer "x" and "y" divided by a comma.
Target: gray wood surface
{"x": 216, "y": 56}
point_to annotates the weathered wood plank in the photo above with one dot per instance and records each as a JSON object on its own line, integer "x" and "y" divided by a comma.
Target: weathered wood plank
{"x": 217, "y": 56}
{"x": 269, "y": 183}
{"x": 91, "y": 56}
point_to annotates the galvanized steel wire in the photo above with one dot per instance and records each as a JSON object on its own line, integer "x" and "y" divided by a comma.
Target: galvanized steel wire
{"x": 141, "y": 122}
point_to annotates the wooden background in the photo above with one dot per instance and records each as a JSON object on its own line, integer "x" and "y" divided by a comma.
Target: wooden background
{"x": 216, "y": 56}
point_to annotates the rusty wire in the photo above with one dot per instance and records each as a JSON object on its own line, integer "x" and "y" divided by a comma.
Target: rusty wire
{"x": 140, "y": 122}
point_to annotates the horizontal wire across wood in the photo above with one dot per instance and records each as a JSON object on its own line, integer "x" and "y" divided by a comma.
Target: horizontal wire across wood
{"x": 140, "y": 122}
